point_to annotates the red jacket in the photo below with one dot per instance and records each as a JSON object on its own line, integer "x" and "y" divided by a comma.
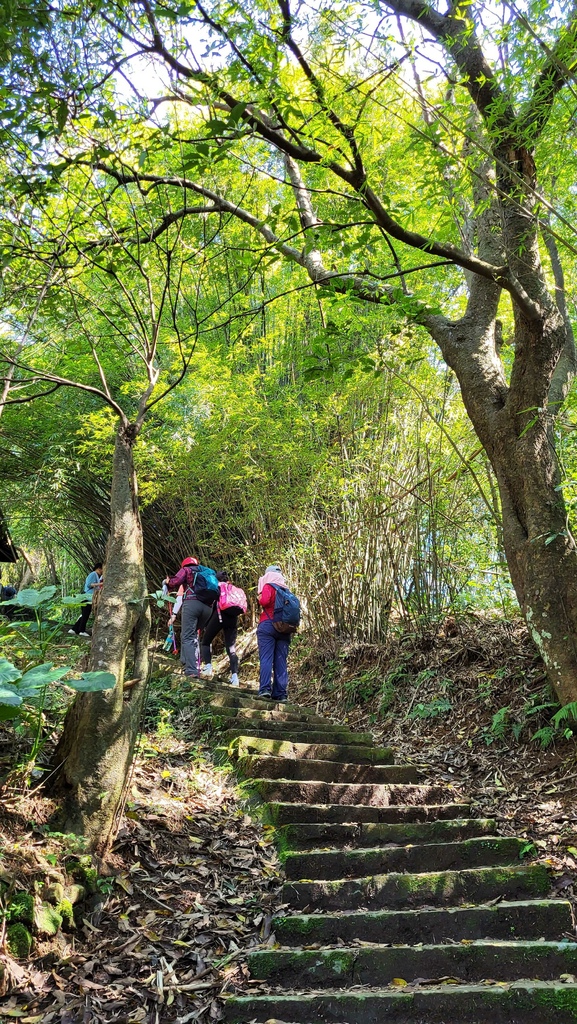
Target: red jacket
{"x": 267, "y": 599}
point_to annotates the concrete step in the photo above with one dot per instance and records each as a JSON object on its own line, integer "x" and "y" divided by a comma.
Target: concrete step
{"x": 326, "y": 771}
{"x": 314, "y": 836}
{"x": 419, "y": 865}
{"x": 280, "y": 813}
{"x": 522, "y": 919}
{"x": 237, "y": 698}
{"x": 212, "y": 686}
{"x": 288, "y": 728}
{"x": 435, "y": 888}
{"x": 380, "y": 795}
{"x": 470, "y": 853}
{"x": 313, "y": 751}
{"x": 517, "y": 1003}
{"x": 500, "y": 960}
{"x": 299, "y": 734}
{"x": 234, "y": 715}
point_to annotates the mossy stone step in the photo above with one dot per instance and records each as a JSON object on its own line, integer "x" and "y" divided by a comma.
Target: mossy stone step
{"x": 486, "y": 851}
{"x": 220, "y": 687}
{"x": 326, "y": 771}
{"x": 324, "y": 785}
{"x": 434, "y": 888}
{"x": 517, "y": 1003}
{"x": 314, "y": 836}
{"x": 280, "y": 813}
{"x": 233, "y": 698}
{"x": 246, "y": 715}
{"x": 298, "y": 734}
{"x": 522, "y": 919}
{"x": 379, "y": 795}
{"x": 314, "y": 751}
{"x": 500, "y": 960}
{"x": 288, "y": 728}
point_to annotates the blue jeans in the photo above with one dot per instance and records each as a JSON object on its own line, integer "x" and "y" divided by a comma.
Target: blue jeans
{"x": 273, "y": 650}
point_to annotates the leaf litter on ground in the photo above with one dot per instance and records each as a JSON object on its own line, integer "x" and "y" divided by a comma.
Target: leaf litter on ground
{"x": 195, "y": 879}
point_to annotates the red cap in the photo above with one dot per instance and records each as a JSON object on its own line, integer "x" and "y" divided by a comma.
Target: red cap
{"x": 188, "y": 561}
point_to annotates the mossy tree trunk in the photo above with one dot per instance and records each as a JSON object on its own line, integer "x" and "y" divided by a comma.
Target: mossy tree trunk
{"x": 96, "y": 749}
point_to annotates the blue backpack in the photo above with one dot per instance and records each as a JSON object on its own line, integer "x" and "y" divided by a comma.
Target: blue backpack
{"x": 286, "y": 615}
{"x": 204, "y": 585}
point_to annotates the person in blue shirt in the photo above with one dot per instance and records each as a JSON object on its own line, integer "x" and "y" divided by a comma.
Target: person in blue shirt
{"x": 92, "y": 585}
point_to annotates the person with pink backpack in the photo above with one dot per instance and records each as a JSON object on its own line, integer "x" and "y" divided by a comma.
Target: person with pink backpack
{"x": 231, "y": 604}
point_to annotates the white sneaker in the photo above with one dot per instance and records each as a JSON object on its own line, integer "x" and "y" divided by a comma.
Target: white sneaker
{"x": 206, "y": 672}
{"x": 234, "y": 680}
{"x": 84, "y": 634}
{"x": 72, "y": 632}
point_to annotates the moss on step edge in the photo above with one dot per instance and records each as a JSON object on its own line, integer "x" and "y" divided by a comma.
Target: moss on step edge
{"x": 440, "y": 829}
{"x": 268, "y": 815}
{"x": 303, "y": 924}
{"x": 437, "y": 884}
{"x": 264, "y": 963}
{"x": 564, "y": 999}
{"x": 277, "y": 835}
{"x": 538, "y": 1003}
{"x": 536, "y": 878}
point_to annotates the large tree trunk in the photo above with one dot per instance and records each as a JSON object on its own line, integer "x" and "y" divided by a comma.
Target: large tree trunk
{"x": 541, "y": 552}
{"x": 516, "y": 428}
{"x": 96, "y": 749}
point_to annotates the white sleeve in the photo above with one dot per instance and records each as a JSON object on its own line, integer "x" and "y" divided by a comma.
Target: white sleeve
{"x": 177, "y": 605}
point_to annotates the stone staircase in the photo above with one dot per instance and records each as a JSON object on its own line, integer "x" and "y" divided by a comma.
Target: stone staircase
{"x": 401, "y": 907}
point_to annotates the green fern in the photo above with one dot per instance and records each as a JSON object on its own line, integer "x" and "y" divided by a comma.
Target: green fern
{"x": 499, "y": 722}
{"x": 544, "y": 736}
{"x": 567, "y": 711}
{"x": 555, "y": 729}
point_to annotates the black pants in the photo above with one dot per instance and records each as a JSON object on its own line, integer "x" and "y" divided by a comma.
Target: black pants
{"x": 229, "y": 626}
{"x": 194, "y": 616}
{"x": 80, "y": 624}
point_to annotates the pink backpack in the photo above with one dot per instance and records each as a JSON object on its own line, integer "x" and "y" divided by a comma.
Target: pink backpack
{"x": 231, "y": 597}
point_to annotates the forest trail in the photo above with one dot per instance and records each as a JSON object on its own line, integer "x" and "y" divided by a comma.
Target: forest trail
{"x": 399, "y": 906}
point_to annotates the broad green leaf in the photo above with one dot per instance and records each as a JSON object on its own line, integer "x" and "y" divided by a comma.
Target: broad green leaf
{"x": 74, "y": 600}
{"x": 7, "y": 712}
{"x": 9, "y": 696}
{"x": 33, "y": 598}
{"x": 8, "y": 672}
{"x": 92, "y": 682}
{"x": 41, "y": 675}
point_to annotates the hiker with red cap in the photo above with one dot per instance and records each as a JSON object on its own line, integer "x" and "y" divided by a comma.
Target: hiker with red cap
{"x": 199, "y": 597}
